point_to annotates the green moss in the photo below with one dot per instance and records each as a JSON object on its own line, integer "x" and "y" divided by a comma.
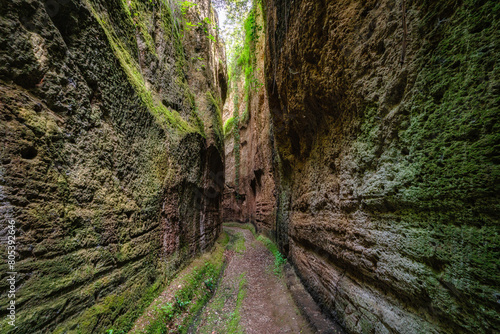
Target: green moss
{"x": 197, "y": 288}
{"x": 239, "y": 246}
{"x": 440, "y": 174}
{"x": 131, "y": 68}
{"x": 234, "y": 322}
{"x": 140, "y": 17}
{"x": 228, "y": 126}
{"x": 279, "y": 259}
{"x": 215, "y": 105}
{"x": 249, "y": 227}
{"x": 453, "y": 135}
{"x": 114, "y": 311}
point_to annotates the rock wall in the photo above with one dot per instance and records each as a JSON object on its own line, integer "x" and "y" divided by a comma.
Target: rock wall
{"x": 249, "y": 195}
{"x": 385, "y": 118}
{"x": 112, "y": 155}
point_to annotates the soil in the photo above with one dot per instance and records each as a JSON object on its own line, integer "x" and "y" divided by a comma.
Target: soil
{"x": 267, "y": 306}
{"x": 251, "y": 297}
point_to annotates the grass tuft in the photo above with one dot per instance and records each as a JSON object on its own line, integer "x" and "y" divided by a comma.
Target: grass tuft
{"x": 279, "y": 259}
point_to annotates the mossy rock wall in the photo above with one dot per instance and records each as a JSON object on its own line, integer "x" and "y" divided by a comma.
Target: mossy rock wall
{"x": 386, "y": 119}
{"x": 111, "y": 159}
{"x": 249, "y": 194}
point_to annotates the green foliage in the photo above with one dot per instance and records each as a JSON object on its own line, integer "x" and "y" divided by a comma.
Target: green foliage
{"x": 197, "y": 288}
{"x": 279, "y": 259}
{"x": 168, "y": 311}
{"x": 233, "y": 28}
{"x": 114, "y": 331}
{"x": 132, "y": 69}
{"x": 192, "y": 296}
{"x": 205, "y": 23}
{"x": 245, "y": 62}
{"x": 212, "y": 38}
{"x": 210, "y": 284}
{"x": 239, "y": 245}
{"x": 234, "y": 322}
{"x": 229, "y": 125}
{"x": 185, "y": 5}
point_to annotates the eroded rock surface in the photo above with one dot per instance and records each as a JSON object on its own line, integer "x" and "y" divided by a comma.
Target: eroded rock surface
{"x": 250, "y": 189}
{"x": 112, "y": 155}
{"x": 385, "y": 117}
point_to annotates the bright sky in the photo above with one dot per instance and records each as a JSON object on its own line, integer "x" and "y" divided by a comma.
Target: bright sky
{"x": 221, "y": 12}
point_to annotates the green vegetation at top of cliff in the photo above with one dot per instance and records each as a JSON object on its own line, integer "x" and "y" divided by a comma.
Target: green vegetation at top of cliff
{"x": 244, "y": 53}
{"x": 243, "y": 25}
{"x": 241, "y": 54}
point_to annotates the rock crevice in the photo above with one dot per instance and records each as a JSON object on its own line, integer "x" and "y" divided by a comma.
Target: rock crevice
{"x": 111, "y": 153}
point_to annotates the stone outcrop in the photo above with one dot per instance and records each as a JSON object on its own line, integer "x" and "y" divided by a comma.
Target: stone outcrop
{"x": 112, "y": 154}
{"x": 385, "y": 117}
{"x": 365, "y": 140}
{"x": 249, "y": 195}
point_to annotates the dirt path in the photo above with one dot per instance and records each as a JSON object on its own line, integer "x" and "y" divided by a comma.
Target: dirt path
{"x": 250, "y": 298}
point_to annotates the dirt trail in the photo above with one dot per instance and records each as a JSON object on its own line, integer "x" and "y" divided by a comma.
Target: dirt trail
{"x": 250, "y": 298}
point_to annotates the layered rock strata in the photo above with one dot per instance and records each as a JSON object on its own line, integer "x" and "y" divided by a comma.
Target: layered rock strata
{"x": 250, "y": 190}
{"x": 112, "y": 154}
{"x": 385, "y": 118}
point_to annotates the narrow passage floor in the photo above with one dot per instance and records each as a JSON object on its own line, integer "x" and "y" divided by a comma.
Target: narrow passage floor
{"x": 252, "y": 296}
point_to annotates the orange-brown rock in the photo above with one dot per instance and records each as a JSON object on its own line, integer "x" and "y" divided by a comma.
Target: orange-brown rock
{"x": 111, "y": 156}
{"x": 385, "y": 117}
{"x": 249, "y": 196}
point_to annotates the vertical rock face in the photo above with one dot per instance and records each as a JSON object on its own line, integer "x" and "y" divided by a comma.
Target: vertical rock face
{"x": 249, "y": 195}
{"x": 386, "y": 118}
{"x": 112, "y": 154}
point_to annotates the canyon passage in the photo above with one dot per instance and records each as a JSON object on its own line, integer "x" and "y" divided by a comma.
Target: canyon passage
{"x": 260, "y": 166}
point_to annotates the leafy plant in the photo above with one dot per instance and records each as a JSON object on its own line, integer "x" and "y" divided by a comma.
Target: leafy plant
{"x": 168, "y": 311}
{"x": 210, "y": 284}
{"x": 279, "y": 259}
{"x": 114, "y": 331}
{"x": 212, "y": 38}
{"x": 185, "y": 5}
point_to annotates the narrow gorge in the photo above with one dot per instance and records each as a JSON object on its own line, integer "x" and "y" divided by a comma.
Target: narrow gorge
{"x": 330, "y": 167}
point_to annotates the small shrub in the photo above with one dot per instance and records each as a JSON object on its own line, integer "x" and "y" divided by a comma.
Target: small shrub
{"x": 279, "y": 259}
{"x": 168, "y": 311}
